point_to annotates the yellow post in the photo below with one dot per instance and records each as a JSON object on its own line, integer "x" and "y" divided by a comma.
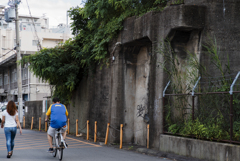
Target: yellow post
{"x": 95, "y": 132}
{"x": 39, "y": 123}
{"x": 121, "y": 135}
{"x": 24, "y": 122}
{"x": 76, "y": 127}
{"x": 45, "y": 126}
{"x": 32, "y": 124}
{"x": 87, "y": 129}
{"x": 68, "y": 126}
{"x": 106, "y": 139}
{"x": 148, "y": 136}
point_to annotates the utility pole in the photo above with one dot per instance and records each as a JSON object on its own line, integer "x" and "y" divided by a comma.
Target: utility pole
{"x": 19, "y": 70}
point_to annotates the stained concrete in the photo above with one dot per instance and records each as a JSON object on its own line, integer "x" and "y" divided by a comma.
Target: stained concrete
{"x": 206, "y": 150}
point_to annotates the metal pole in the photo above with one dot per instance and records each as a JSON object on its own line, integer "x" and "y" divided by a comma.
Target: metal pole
{"x": 19, "y": 72}
{"x": 163, "y": 104}
{"x": 231, "y": 117}
{"x": 163, "y": 101}
{"x": 193, "y": 108}
{"x": 193, "y": 97}
{"x": 231, "y": 105}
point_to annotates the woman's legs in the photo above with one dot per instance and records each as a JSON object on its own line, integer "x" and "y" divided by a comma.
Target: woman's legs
{"x": 13, "y": 134}
{"x": 7, "y": 132}
{"x": 10, "y": 133}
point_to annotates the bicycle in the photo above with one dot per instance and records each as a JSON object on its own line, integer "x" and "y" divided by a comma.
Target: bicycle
{"x": 58, "y": 144}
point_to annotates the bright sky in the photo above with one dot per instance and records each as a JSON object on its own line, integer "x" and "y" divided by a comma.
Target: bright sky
{"x": 56, "y": 10}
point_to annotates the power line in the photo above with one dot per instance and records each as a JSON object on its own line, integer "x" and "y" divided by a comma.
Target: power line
{"x": 38, "y": 45}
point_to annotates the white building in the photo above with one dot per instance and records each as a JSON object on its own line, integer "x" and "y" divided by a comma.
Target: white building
{"x": 32, "y": 30}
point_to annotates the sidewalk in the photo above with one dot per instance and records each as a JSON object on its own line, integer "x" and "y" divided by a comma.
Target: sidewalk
{"x": 139, "y": 149}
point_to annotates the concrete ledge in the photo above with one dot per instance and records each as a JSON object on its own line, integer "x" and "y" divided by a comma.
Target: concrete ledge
{"x": 207, "y": 150}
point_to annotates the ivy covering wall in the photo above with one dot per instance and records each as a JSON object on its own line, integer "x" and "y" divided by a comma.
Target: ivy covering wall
{"x": 94, "y": 26}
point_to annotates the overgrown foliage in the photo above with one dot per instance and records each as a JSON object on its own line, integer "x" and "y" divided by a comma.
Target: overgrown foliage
{"x": 94, "y": 26}
{"x": 212, "y": 111}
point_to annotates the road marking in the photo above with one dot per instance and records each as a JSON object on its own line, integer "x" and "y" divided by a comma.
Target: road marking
{"x": 38, "y": 140}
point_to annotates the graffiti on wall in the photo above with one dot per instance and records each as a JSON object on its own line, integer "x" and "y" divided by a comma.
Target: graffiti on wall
{"x": 141, "y": 110}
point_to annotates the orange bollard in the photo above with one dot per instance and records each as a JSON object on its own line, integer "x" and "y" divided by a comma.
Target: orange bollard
{"x": 121, "y": 135}
{"x": 45, "y": 126}
{"x": 68, "y": 126}
{"x": 76, "y": 127}
{"x": 23, "y": 122}
{"x": 87, "y": 129}
{"x": 106, "y": 139}
{"x": 148, "y": 136}
{"x": 95, "y": 132}
{"x": 32, "y": 123}
{"x": 39, "y": 123}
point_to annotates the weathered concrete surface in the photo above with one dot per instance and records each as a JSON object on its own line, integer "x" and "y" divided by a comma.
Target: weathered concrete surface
{"x": 207, "y": 150}
{"x": 35, "y": 109}
{"x": 129, "y": 90}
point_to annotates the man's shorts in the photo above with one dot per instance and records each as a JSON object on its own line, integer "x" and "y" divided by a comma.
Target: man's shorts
{"x": 51, "y": 131}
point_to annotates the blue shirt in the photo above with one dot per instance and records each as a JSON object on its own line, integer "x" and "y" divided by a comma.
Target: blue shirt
{"x": 58, "y": 114}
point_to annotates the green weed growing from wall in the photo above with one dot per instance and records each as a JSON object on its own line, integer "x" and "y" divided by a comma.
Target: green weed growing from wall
{"x": 211, "y": 111}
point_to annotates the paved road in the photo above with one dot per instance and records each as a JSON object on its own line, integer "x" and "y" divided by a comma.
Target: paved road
{"x": 32, "y": 145}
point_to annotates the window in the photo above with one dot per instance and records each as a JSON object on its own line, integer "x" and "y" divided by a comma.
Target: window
{"x": 14, "y": 76}
{"x": 1, "y": 80}
{"x": 5, "y": 79}
{"x": 35, "y": 20}
{"x": 34, "y": 42}
{"x": 25, "y": 73}
{"x": 4, "y": 41}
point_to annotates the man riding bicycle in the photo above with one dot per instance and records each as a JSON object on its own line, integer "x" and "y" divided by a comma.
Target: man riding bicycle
{"x": 58, "y": 113}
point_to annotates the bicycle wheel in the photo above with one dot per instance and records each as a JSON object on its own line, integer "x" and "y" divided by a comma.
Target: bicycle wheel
{"x": 54, "y": 147}
{"x": 60, "y": 148}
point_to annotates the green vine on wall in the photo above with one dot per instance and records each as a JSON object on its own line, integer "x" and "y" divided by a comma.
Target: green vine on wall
{"x": 94, "y": 26}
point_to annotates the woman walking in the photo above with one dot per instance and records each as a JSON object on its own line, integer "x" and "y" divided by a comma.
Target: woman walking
{"x": 10, "y": 122}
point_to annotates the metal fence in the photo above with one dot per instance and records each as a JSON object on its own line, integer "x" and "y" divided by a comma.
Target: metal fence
{"x": 211, "y": 110}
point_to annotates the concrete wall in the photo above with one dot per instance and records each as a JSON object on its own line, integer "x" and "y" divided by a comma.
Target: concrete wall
{"x": 129, "y": 90}
{"x": 206, "y": 150}
{"x": 35, "y": 109}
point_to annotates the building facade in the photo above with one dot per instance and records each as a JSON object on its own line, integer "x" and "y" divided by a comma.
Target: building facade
{"x": 33, "y": 30}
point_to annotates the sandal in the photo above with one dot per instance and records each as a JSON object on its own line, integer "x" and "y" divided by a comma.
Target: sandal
{"x": 9, "y": 155}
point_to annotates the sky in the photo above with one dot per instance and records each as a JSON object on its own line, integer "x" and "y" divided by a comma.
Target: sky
{"x": 55, "y": 10}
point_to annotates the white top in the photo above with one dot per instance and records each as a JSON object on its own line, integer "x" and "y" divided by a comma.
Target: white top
{"x": 10, "y": 121}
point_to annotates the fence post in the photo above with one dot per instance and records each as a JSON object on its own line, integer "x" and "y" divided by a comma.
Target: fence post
{"x": 163, "y": 101}
{"x": 95, "y": 132}
{"x": 24, "y": 122}
{"x": 76, "y": 127}
{"x": 68, "y": 126}
{"x": 32, "y": 123}
{"x": 39, "y": 123}
{"x": 121, "y": 136}
{"x": 106, "y": 139}
{"x": 87, "y": 129}
{"x": 163, "y": 122}
{"x": 148, "y": 136}
{"x": 195, "y": 86}
{"x": 231, "y": 105}
{"x": 192, "y": 108}
{"x": 231, "y": 117}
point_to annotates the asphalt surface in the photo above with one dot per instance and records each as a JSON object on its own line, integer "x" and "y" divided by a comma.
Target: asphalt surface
{"x": 32, "y": 145}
